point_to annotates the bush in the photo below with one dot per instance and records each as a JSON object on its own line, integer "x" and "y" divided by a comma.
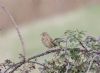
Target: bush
{"x": 75, "y": 52}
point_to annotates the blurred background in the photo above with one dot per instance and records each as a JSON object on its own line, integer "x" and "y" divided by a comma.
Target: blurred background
{"x": 37, "y": 16}
{"x": 32, "y": 10}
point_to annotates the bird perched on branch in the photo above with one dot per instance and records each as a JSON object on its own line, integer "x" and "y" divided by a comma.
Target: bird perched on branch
{"x": 47, "y": 40}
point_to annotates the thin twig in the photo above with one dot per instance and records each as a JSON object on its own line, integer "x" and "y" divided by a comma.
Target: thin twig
{"x": 6, "y": 10}
{"x": 81, "y": 43}
{"x": 11, "y": 67}
{"x": 17, "y": 66}
{"x": 67, "y": 68}
{"x": 45, "y": 53}
{"x": 91, "y": 62}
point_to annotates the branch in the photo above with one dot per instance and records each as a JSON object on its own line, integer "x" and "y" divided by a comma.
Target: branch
{"x": 38, "y": 64}
{"x": 91, "y": 62}
{"x": 67, "y": 68}
{"x": 39, "y": 55}
{"x": 6, "y": 10}
{"x": 19, "y": 64}
{"x": 11, "y": 67}
{"x": 81, "y": 43}
{"x": 45, "y": 53}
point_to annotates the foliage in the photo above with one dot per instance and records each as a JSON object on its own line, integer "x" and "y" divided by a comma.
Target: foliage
{"x": 75, "y": 52}
{"x": 78, "y": 52}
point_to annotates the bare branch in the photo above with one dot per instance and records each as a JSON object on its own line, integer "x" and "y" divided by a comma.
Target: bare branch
{"x": 11, "y": 67}
{"x": 19, "y": 64}
{"x": 45, "y": 53}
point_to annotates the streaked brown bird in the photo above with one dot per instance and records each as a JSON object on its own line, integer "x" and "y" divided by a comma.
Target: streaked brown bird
{"x": 47, "y": 40}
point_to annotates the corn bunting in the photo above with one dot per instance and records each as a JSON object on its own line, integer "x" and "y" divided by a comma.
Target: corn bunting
{"x": 47, "y": 40}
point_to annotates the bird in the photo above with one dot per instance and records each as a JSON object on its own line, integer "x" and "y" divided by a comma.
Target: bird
{"x": 47, "y": 40}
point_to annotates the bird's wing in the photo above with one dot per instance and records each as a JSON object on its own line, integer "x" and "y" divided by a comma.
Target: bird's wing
{"x": 45, "y": 43}
{"x": 50, "y": 40}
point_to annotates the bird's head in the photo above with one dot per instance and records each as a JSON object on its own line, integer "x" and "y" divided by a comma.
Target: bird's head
{"x": 44, "y": 34}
